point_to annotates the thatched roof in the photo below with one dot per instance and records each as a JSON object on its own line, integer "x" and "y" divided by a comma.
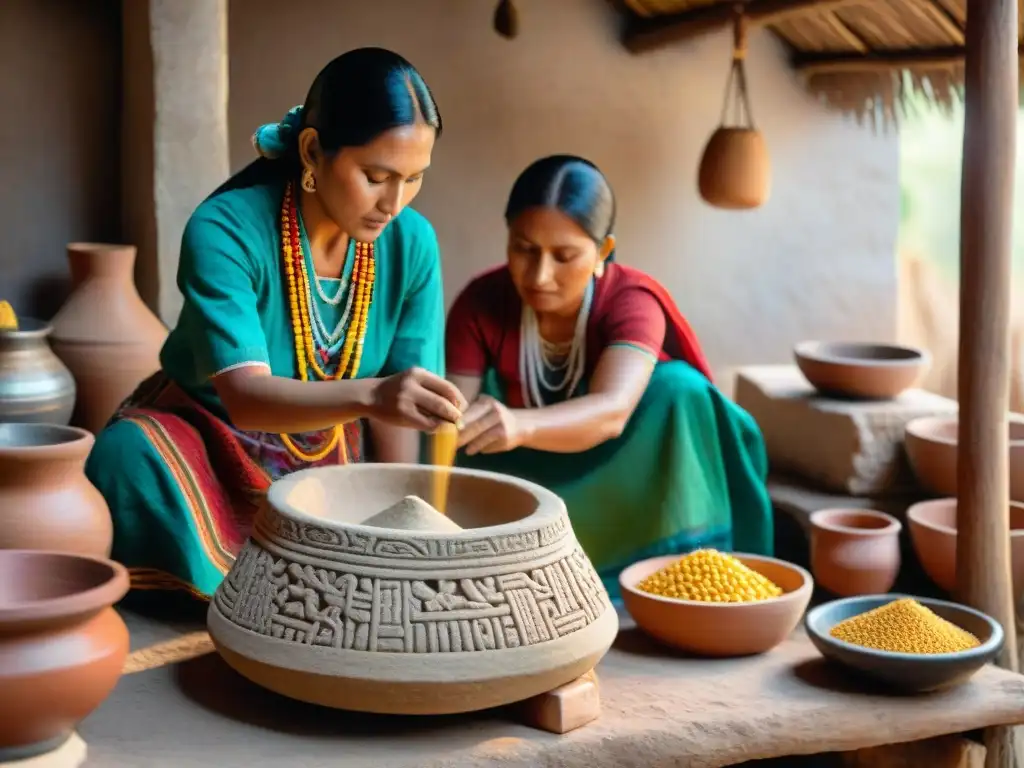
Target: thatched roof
{"x": 863, "y": 56}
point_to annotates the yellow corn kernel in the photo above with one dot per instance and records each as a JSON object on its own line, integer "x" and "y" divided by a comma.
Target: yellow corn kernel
{"x": 904, "y": 626}
{"x": 710, "y": 576}
{"x": 8, "y": 320}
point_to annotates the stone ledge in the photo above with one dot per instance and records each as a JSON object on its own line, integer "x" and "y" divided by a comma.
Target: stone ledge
{"x": 657, "y": 708}
{"x": 799, "y": 499}
{"x": 851, "y": 447}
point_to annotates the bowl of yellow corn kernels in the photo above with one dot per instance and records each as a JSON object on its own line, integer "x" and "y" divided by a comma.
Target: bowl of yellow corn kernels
{"x": 711, "y": 603}
{"x": 911, "y": 644}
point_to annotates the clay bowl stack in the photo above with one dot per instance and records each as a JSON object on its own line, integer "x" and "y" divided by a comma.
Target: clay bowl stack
{"x": 860, "y": 370}
{"x": 906, "y": 672}
{"x": 719, "y": 629}
{"x": 931, "y": 444}
{"x": 62, "y": 645}
{"x": 933, "y": 529}
{"x": 494, "y": 604}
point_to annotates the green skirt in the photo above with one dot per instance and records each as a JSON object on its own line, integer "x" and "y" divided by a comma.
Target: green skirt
{"x": 688, "y": 472}
{"x": 184, "y": 487}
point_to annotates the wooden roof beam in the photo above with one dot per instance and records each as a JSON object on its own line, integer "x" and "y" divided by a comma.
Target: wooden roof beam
{"x": 921, "y": 58}
{"x": 648, "y": 33}
{"x": 944, "y": 19}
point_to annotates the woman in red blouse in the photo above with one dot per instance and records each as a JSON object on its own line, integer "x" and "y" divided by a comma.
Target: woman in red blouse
{"x": 584, "y": 377}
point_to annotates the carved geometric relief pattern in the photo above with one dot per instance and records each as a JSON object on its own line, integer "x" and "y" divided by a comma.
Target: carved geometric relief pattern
{"x": 410, "y": 547}
{"x": 318, "y": 606}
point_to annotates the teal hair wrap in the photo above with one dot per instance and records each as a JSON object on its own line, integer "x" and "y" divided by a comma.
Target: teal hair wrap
{"x": 275, "y": 139}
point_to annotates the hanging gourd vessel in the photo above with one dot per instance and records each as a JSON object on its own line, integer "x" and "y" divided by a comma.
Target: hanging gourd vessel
{"x": 735, "y": 170}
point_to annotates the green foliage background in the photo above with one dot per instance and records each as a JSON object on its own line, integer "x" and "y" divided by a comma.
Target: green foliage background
{"x": 931, "y": 150}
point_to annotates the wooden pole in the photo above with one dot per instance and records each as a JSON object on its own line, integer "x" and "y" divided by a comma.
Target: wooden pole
{"x": 986, "y": 228}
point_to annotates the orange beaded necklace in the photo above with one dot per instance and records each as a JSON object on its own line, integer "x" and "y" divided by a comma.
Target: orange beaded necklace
{"x": 363, "y": 273}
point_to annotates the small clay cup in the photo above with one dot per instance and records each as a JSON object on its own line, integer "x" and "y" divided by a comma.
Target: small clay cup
{"x": 720, "y": 629}
{"x": 62, "y": 645}
{"x": 932, "y": 526}
{"x": 855, "y": 551}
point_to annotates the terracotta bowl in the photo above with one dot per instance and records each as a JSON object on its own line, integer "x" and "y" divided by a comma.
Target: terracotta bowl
{"x": 719, "y": 629}
{"x": 931, "y": 445}
{"x": 855, "y": 551}
{"x": 862, "y": 370}
{"x": 906, "y": 672}
{"x": 932, "y": 526}
{"x": 323, "y": 608}
{"x": 62, "y": 646}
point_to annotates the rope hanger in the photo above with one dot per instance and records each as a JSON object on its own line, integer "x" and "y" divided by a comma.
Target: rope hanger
{"x": 738, "y": 76}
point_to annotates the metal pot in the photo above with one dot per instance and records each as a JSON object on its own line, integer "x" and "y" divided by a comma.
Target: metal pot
{"x": 35, "y": 386}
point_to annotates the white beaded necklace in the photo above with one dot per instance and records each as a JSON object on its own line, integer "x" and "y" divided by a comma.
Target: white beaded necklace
{"x": 329, "y": 340}
{"x": 534, "y": 359}
{"x": 334, "y": 300}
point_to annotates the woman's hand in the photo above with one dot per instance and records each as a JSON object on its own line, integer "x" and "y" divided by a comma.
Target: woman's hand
{"x": 417, "y": 398}
{"x": 490, "y": 427}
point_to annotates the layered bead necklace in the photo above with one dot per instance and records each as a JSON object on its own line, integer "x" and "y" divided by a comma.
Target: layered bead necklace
{"x": 315, "y": 347}
{"x": 538, "y": 356}
{"x": 328, "y": 343}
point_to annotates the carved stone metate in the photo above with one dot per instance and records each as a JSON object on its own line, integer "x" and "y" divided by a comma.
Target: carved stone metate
{"x": 309, "y": 579}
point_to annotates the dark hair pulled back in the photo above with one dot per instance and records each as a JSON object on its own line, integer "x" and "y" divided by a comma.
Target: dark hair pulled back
{"x": 363, "y": 93}
{"x": 572, "y": 185}
{"x": 358, "y": 96}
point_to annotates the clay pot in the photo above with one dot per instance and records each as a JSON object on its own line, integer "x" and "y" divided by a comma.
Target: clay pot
{"x": 35, "y": 386}
{"x": 62, "y": 646}
{"x": 735, "y": 170}
{"x": 46, "y": 501}
{"x": 931, "y": 446}
{"x": 720, "y": 629}
{"x": 860, "y": 369}
{"x": 932, "y": 526}
{"x": 104, "y": 332}
{"x": 855, "y": 551}
{"x": 407, "y": 620}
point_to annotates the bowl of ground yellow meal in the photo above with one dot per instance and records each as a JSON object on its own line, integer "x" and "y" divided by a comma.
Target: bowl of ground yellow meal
{"x": 711, "y": 603}
{"x": 913, "y": 644}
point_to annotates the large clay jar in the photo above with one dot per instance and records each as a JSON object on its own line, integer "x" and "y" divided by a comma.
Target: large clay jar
{"x": 104, "y": 332}
{"x": 62, "y": 645}
{"x": 324, "y": 607}
{"x": 855, "y": 551}
{"x": 35, "y": 386}
{"x": 46, "y": 501}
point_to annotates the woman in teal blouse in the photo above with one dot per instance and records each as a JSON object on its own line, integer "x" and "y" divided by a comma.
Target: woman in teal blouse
{"x": 311, "y": 331}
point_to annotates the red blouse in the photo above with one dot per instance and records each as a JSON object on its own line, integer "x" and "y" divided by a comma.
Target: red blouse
{"x": 629, "y": 308}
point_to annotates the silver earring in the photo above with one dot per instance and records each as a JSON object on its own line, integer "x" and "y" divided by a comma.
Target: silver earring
{"x": 599, "y": 269}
